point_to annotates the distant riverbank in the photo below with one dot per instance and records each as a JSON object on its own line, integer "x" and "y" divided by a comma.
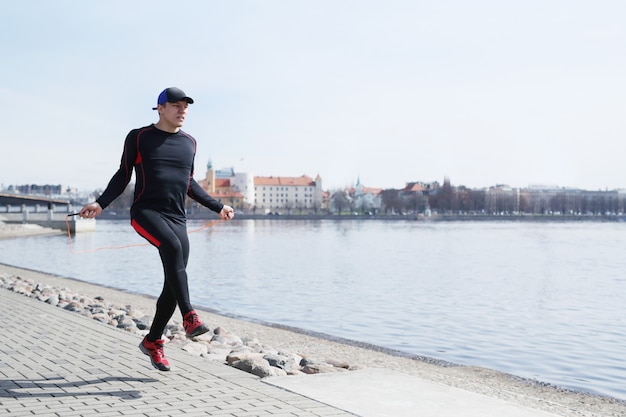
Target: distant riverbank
{"x": 207, "y": 215}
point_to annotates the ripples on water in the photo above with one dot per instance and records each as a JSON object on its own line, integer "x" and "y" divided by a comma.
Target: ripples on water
{"x": 538, "y": 300}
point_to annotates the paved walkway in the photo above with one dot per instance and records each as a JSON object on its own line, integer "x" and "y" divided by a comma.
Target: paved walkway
{"x": 57, "y": 363}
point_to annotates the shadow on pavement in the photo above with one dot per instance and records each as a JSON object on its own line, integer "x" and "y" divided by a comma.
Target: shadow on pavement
{"x": 59, "y": 387}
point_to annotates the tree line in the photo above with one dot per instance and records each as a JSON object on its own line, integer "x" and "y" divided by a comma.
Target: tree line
{"x": 499, "y": 200}
{"x": 450, "y": 200}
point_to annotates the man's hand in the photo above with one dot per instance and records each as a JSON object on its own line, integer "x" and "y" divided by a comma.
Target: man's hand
{"x": 90, "y": 211}
{"x": 227, "y": 213}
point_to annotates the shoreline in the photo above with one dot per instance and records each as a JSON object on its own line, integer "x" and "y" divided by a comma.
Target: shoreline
{"x": 525, "y": 392}
{"x": 529, "y": 393}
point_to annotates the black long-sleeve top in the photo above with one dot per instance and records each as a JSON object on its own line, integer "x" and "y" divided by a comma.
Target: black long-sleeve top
{"x": 163, "y": 164}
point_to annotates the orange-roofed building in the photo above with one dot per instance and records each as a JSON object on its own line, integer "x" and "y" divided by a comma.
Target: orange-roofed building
{"x": 243, "y": 191}
{"x": 226, "y": 187}
{"x": 414, "y": 187}
{"x": 288, "y": 193}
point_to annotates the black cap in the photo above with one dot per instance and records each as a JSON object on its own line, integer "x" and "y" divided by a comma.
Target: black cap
{"x": 172, "y": 95}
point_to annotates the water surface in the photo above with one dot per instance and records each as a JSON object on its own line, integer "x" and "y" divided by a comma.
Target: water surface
{"x": 537, "y": 300}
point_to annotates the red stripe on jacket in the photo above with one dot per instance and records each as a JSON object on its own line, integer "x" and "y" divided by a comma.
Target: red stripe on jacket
{"x": 143, "y": 232}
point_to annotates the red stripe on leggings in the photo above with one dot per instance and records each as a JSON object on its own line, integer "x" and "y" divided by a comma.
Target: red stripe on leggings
{"x": 143, "y": 232}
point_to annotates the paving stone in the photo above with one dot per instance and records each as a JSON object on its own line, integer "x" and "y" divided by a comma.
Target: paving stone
{"x": 66, "y": 364}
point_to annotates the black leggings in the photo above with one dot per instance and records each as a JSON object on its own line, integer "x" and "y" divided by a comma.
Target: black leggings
{"x": 169, "y": 236}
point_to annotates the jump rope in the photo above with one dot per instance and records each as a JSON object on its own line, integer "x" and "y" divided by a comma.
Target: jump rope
{"x": 73, "y": 252}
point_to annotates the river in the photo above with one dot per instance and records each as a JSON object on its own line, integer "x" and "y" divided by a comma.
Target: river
{"x": 538, "y": 300}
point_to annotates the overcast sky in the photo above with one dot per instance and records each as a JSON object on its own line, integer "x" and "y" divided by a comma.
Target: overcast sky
{"x": 483, "y": 92}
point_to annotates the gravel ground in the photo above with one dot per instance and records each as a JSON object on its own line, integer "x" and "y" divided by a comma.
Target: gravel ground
{"x": 495, "y": 384}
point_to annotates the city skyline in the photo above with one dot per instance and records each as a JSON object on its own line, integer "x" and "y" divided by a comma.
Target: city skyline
{"x": 201, "y": 179}
{"x": 483, "y": 93}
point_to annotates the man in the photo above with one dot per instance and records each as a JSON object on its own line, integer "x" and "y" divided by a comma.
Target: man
{"x": 162, "y": 157}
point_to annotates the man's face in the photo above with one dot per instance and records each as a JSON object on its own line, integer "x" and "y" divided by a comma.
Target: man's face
{"x": 174, "y": 113}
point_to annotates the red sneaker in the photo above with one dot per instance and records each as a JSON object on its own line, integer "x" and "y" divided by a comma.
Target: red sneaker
{"x": 155, "y": 351}
{"x": 193, "y": 325}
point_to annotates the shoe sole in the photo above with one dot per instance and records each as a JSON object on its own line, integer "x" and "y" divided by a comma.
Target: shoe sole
{"x": 202, "y": 329}
{"x": 154, "y": 364}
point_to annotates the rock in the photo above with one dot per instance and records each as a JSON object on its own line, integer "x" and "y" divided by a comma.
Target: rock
{"x": 283, "y": 362}
{"x": 173, "y": 328}
{"x": 316, "y": 366}
{"x": 133, "y": 312}
{"x": 218, "y": 338}
{"x": 53, "y": 300}
{"x": 205, "y": 337}
{"x": 118, "y": 315}
{"x": 242, "y": 354}
{"x": 218, "y": 352}
{"x": 310, "y": 361}
{"x": 46, "y": 292}
{"x": 89, "y": 301}
{"x": 295, "y": 372}
{"x": 220, "y": 330}
{"x": 74, "y": 306}
{"x": 101, "y": 317}
{"x": 127, "y": 324}
{"x": 338, "y": 364}
{"x": 219, "y": 349}
{"x": 232, "y": 340}
{"x": 310, "y": 369}
{"x": 85, "y": 313}
{"x": 254, "y": 365}
{"x": 246, "y": 353}
{"x": 178, "y": 336}
{"x": 297, "y": 358}
{"x": 143, "y": 322}
{"x": 320, "y": 369}
{"x": 196, "y": 349}
{"x": 253, "y": 343}
{"x": 113, "y": 311}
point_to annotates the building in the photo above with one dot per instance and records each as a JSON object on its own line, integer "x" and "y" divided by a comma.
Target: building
{"x": 502, "y": 198}
{"x": 287, "y": 194}
{"x": 48, "y": 190}
{"x": 365, "y": 199}
{"x": 227, "y": 187}
{"x": 243, "y": 191}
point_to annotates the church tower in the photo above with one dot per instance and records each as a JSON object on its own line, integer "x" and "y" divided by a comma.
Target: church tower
{"x": 210, "y": 178}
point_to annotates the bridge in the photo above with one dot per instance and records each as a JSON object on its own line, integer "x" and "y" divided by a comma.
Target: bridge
{"x": 46, "y": 212}
{"x": 7, "y": 201}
